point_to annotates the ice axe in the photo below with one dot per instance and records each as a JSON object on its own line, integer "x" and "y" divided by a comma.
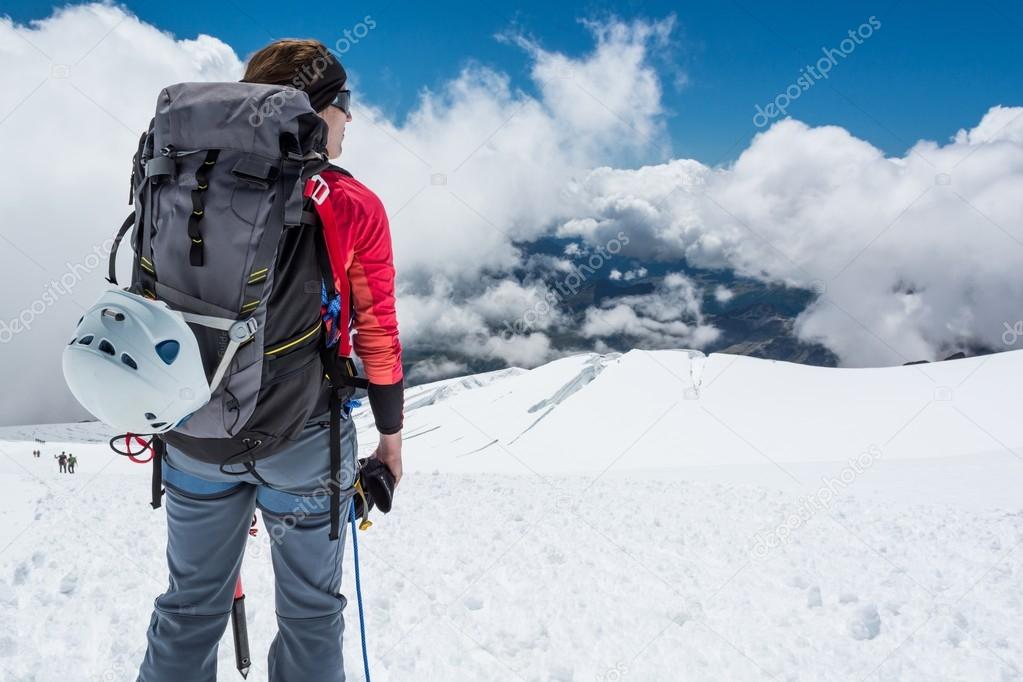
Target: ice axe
{"x": 242, "y": 659}
{"x": 241, "y": 632}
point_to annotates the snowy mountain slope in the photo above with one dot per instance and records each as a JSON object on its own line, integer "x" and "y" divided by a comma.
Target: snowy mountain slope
{"x": 80, "y": 432}
{"x": 579, "y": 413}
{"x": 648, "y": 516}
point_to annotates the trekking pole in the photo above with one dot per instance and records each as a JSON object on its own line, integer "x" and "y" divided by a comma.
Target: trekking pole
{"x": 241, "y": 632}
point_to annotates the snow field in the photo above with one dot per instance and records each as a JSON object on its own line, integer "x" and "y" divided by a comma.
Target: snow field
{"x": 649, "y": 516}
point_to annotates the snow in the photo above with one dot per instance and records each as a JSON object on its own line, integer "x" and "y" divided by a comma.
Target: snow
{"x": 652, "y": 515}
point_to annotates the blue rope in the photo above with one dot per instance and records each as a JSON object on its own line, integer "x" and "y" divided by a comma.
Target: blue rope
{"x": 358, "y": 589}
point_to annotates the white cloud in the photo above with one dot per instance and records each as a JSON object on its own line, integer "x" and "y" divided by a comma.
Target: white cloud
{"x": 527, "y": 350}
{"x": 478, "y": 164}
{"x": 435, "y": 368}
{"x": 76, "y": 91}
{"x": 616, "y": 77}
{"x": 915, "y": 255}
{"x": 723, "y": 294}
{"x": 508, "y": 302}
{"x": 503, "y": 322}
{"x": 669, "y": 317}
{"x": 1000, "y": 124}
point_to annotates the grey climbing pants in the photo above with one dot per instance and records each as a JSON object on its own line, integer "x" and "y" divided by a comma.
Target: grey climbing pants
{"x": 208, "y": 518}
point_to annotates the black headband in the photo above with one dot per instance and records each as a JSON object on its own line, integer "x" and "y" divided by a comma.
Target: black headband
{"x": 328, "y": 79}
{"x": 321, "y": 77}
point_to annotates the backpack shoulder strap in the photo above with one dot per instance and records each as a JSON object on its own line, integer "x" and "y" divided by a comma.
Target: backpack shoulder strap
{"x": 340, "y": 369}
{"x": 339, "y": 169}
{"x": 340, "y": 373}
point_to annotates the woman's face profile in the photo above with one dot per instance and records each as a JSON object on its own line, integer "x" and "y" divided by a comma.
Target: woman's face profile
{"x": 336, "y": 120}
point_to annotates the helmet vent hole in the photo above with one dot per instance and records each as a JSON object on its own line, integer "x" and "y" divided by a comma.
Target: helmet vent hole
{"x": 128, "y": 360}
{"x": 150, "y": 416}
{"x": 158, "y": 425}
{"x": 71, "y": 342}
{"x": 168, "y": 350}
{"x": 106, "y": 347}
{"x": 85, "y": 340}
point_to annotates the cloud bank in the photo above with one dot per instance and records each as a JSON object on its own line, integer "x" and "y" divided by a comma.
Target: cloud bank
{"x": 911, "y": 255}
{"x": 76, "y": 91}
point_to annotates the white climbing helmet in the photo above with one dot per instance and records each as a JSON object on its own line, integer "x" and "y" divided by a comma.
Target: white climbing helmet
{"x": 135, "y": 364}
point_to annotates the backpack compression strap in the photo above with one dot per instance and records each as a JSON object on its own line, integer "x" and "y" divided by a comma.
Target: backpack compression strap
{"x": 137, "y": 172}
{"x": 195, "y": 252}
{"x": 112, "y": 262}
{"x": 238, "y": 332}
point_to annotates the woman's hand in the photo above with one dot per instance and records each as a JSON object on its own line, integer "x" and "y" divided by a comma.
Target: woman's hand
{"x": 389, "y": 452}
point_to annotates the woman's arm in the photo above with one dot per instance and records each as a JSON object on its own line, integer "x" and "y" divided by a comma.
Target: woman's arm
{"x": 371, "y": 276}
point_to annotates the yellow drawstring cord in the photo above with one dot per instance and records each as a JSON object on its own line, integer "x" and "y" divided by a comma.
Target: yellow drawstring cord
{"x": 365, "y": 524}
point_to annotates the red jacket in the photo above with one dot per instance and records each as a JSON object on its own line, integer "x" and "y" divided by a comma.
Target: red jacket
{"x": 358, "y": 241}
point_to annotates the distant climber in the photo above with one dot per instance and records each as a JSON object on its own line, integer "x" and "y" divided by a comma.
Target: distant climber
{"x": 71, "y": 462}
{"x": 61, "y": 462}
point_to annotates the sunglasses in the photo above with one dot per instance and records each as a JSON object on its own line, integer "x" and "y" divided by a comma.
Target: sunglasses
{"x": 343, "y": 101}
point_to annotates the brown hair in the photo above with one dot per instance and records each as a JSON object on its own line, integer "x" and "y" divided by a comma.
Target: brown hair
{"x": 276, "y": 63}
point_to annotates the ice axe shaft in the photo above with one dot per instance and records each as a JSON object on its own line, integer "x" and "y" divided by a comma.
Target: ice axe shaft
{"x": 240, "y": 631}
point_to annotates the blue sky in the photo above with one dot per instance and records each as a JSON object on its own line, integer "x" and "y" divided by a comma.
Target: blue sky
{"x": 924, "y": 74}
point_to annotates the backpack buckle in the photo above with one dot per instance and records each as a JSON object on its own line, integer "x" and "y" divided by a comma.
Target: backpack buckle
{"x": 320, "y": 189}
{"x": 243, "y": 330}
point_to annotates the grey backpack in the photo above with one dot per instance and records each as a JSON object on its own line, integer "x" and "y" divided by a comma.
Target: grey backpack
{"x": 223, "y": 233}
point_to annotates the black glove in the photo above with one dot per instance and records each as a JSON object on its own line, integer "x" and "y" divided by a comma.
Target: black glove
{"x": 377, "y": 486}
